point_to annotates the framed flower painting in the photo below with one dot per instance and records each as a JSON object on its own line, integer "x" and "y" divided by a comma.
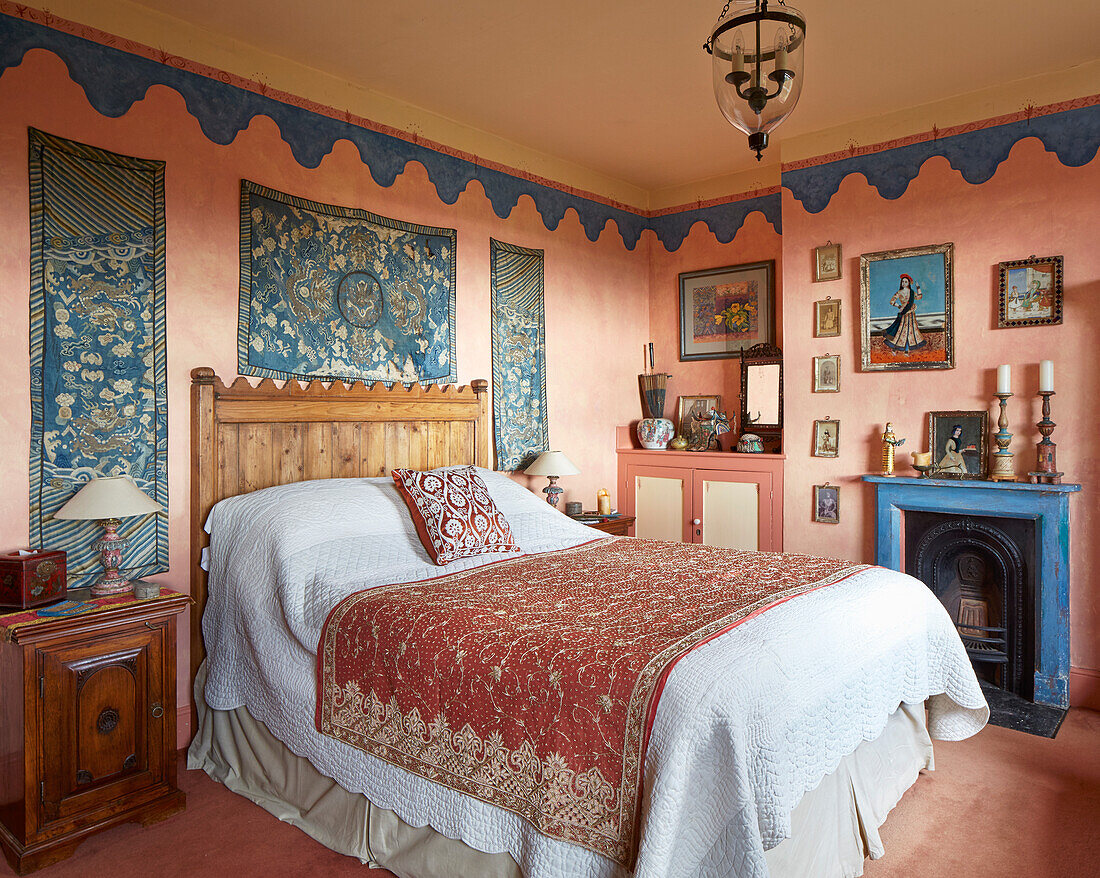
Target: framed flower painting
{"x": 726, "y": 310}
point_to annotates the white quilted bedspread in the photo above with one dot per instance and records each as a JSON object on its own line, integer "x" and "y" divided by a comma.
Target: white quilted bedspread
{"x": 746, "y": 724}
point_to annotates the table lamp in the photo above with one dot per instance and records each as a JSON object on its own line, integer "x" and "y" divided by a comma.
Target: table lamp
{"x": 552, "y": 464}
{"x": 109, "y": 498}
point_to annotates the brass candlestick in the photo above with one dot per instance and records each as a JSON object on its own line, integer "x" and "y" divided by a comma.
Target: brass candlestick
{"x": 1046, "y": 466}
{"x": 1002, "y": 458}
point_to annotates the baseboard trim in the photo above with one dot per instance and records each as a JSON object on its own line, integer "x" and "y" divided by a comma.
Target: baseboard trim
{"x": 1084, "y": 688}
{"x": 183, "y": 726}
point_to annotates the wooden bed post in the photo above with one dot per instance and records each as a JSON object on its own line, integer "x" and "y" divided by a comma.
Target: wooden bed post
{"x": 481, "y": 442}
{"x": 203, "y": 467}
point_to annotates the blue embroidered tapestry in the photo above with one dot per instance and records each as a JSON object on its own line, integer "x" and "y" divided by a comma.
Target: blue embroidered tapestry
{"x": 519, "y": 355}
{"x": 99, "y": 404}
{"x": 335, "y": 292}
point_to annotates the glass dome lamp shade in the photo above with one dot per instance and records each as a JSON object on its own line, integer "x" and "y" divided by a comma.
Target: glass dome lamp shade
{"x": 757, "y": 50}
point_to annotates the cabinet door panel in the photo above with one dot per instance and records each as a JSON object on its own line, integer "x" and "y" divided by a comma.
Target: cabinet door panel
{"x": 661, "y": 498}
{"x": 99, "y": 740}
{"x": 735, "y": 509}
{"x": 731, "y": 514}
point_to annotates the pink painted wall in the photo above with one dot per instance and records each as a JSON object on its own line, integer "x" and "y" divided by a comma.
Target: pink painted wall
{"x": 596, "y": 293}
{"x": 1032, "y": 205}
{"x": 756, "y": 241}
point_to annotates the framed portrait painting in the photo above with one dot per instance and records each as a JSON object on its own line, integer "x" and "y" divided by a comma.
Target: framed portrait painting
{"x": 827, "y": 262}
{"x": 826, "y": 438}
{"x": 827, "y": 318}
{"x": 1030, "y": 292}
{"x": 827, "y": 503}
{"x": 688, "y": 425}
{"x": 726, "y": 310}
{"x": 960, "y": 444}
{"x": 907, "y": 309}
{"x": 827, "y": 374}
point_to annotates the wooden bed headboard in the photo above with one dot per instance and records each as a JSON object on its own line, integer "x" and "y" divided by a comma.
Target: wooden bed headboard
{"x": 244, "y": 438}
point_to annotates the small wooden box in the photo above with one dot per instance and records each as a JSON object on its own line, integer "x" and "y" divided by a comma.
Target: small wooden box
{"x": 32, "y": 579}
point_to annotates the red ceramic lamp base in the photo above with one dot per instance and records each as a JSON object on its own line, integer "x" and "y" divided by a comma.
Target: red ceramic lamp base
{"x": 110, "y": 549}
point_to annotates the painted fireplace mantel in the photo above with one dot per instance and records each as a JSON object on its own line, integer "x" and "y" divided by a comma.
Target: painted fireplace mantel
{"x": 1046, "y": 505}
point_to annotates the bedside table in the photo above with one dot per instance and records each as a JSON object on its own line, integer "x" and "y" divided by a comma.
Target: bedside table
{"x": 89, "y": 733}
{"x": 618, "y": 526}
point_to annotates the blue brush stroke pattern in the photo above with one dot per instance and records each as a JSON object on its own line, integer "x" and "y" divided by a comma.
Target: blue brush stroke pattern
{"x": 1072, "y": 135}
{"x": 114, "y": 80}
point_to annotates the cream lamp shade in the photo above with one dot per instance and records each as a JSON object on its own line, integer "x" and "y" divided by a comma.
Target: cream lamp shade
{"x": 109, "y": 497}
{"x": 552, "y": 463}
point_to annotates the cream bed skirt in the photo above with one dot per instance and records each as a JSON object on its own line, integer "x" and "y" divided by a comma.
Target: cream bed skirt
{"x": 833, "y": 829}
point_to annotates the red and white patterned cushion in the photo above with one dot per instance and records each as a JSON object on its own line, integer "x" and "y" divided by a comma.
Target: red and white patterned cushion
{"x": 454, "y": 515}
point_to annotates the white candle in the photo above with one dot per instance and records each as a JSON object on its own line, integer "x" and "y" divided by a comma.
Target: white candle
{"x": 737, "y": 61}
{"x": 781, "y": 57}
{"x": 1004, "y": 379}
{"x": 1046, "y": 376}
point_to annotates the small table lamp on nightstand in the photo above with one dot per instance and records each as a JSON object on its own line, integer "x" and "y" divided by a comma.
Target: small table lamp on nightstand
{"x": 109, "y": 499}
{"x": 552, "y": 464}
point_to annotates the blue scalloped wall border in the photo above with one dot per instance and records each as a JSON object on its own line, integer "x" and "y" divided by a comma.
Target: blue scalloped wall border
{"x": 1072, "y": 135}
{"x": 114, "y": 80}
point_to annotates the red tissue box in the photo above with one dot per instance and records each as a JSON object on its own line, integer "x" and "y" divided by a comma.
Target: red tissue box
{"x": 33, "y": 579}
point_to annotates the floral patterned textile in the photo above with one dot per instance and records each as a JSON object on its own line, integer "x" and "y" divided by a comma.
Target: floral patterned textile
{"x": 532, "y": 683}
{"x": 337, "y": 292}
{"x": 454, "y": 515}
{"x": 99, "y": 389}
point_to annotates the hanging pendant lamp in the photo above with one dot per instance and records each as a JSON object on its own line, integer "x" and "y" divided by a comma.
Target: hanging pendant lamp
{"x": 757, "y": 51}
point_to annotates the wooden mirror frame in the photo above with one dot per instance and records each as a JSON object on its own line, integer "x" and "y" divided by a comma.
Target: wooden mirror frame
{"x": 763, "y": 354}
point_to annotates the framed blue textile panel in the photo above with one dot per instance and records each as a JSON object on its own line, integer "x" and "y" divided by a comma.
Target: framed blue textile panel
{"x": 99, "y": 403}
{"x": 337, "y": 292}
{"x": 519, "y": 355}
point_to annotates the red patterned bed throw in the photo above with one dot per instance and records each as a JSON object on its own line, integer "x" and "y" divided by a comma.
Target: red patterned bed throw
{"x": 531, "y": 683}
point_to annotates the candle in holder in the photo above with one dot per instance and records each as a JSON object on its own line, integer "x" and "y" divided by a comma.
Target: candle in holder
{"x": 1046, "y": 376}
{"x": 1004, "y": 379}
{"x": 922, "y": 458}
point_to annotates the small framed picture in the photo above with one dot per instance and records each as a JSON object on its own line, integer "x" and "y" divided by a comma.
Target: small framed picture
{"x": 1030, "y": 292}
{"x": 827, "y": 374}
{"x": 690, "y": 409}
{"x": 960, "y": 444}
{"x": 827, "y": 503}
{"x": 827, "y": 318}
{"x": 827, "y": 262}
{"x": 826, "y": 438}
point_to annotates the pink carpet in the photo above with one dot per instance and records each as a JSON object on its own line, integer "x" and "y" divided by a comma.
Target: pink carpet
{"x": 1002, "y": 804}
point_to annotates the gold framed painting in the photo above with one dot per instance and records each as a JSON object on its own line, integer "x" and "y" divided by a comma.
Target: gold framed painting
{"x": 826, "y": 438}
{"x": 827, "y": 503}
{"x": 1030, "y": 292}
{"x": 827, "y": 262}
{"x": 827, "y": 374}
{"x": 690, "y": 426}
{"x": 827, "y": 318}
{"x": 907, "y": 309}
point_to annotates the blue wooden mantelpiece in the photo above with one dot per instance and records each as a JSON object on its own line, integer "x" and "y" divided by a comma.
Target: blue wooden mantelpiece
{"x": 1046, "y": 505}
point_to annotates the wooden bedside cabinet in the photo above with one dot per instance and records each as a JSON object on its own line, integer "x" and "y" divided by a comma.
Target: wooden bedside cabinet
{"x": 617, "y": 526}
{"x": 89, "y": 733}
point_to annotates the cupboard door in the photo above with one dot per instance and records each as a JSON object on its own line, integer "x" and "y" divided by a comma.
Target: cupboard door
{"x": 101, "y": 721}
{"x": 662, "y": 501}
{"x": 733, "y": 509}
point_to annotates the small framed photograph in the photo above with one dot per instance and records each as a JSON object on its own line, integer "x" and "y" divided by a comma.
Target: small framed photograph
{"x": 690, "y": 426}
{"x": 724, "y": 311}
{"x": 907, "y": 309}
{"x": 827, "y": 374}
{"x": 960, "y": 444}
{"x": 827, "y": 262}
{"x": 826, "y": 438}
{"x": 827, "y": 318}
{"x": 1030, "y": 292}
{"x": 827, "y": 503}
